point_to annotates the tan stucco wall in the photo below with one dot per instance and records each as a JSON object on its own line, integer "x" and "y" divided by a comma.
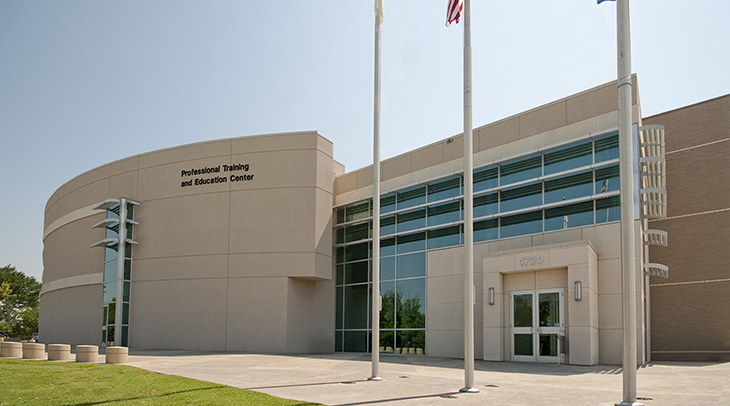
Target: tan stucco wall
{"x": 228, "y": 266}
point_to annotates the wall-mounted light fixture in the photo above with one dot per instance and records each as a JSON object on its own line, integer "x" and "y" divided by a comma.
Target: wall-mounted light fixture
{"x": 578, "y": 291}
{"x": 490, "y": 296}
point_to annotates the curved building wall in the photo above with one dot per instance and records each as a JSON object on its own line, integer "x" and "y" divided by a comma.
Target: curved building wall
{"x": 239, "y": 263}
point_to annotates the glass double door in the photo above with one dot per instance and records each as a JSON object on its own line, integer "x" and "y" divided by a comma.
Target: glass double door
{"x": 537, "y": 325}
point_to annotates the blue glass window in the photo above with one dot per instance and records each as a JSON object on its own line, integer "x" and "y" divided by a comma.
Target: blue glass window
{"x": 387, "y": 247}
{"x": 444, "y": 213}
{"x": 608, "y": 209}
{"x": 411, "y": 243}
{"x": 444, "y": 189}
{"x": 569, "y": 187}
{"x": 411, "y": 265}
{"x": 485, "y": 205}
{"x": 411, "y": 303}
{"x": 486, "y": 178}
{"x": 521, "y": 169}
{"x": 387, "y": 268}
{"x": 568, "y": 157}
{"x": 606, "y": 147}
{"x": 387, "y": 225}
{"x": 387, "y": 314}
{"x": 411, "y": 197}
{"x": 486, "y": 230}
{"x": 607, "y": 179}
{"x": 564, "y": 217}
{"x": 521, "y": 197}
{"x": 411, "y": 220}
{"x": 521, "y": 224}
{"x": 444, "y": 237}
{"x": 387, "y": 203}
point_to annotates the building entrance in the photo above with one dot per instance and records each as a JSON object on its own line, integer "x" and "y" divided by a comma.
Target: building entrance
{"x": 537, "y": 325}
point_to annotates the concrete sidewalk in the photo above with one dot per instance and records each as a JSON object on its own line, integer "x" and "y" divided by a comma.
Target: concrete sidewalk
{"x": 341, "y": 379}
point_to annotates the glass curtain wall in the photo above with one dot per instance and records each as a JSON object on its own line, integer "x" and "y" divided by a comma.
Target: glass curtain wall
{"x": 109, "y": 296}
{"x": 561, "y": 187}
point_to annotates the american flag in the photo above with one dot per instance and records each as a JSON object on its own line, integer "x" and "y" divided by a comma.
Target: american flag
{"x": 454, "y": 11}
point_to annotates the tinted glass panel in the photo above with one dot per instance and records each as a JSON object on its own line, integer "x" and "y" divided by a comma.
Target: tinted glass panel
{"x": 607, "y": 179}
{"x": 444, "y": 213}
{"x": 110, "y": 252}
{"x": 486, "y": 230}
{"x": 357, "y": 252}
{"x": 125, "y": 291}
{"x": 340, "y": 232}
{"x": 356, "y": 272}
{"x": 521, "y": 197}
{"x": 569, "y": 157}
{"x": 356, "y": 232}
{"x": 522, "y": 316}
{"x": 569, "y": 187}
{"x": 485, "y": 205}
{"x": 340, "y": 278}
{"x": 412, "y": 242}
{"x": 411, "y": 303}
{"x": 111, "y": 232}
{"x": 387, "y": 341}
{"x": 485, "y": 178}
{"x": 574, "y": 215}
{"x": 521, "y": 169}
{"x": 521, "y": 224}
{"x": 606, "y": 147}
{"x": 338, "y": 341}
{"x": 128, "y": 269}
{"x": 523, "y": 344}
{"x": 411, "y": 197}
{"x": 356, "y": 306}
{"x": 387, "y": 268}
{"x": 338, "y": 307}
{"x": 444, "y": 189}
{"x": 340, "y": 255}
{"x": 387, "y": 203}
{"x": 387, "y": 225}
{"x": 387, "y": 247}
{"x": 357, "y": 211}
{"x": 411, "y": 341}
{"x": 110, "y": 292}
{"x": 411, "y": 265}
{"x": 444, "y": 237}
{"x": 340, "y": 215}
{"x": 411, "y": 220}
{"x": 110, "y": 271}
{"x": 125, "y": 313}
{"x": 356, "y": 341}
{"x": 608, "y": 209}
{"x": 387, "y": 314}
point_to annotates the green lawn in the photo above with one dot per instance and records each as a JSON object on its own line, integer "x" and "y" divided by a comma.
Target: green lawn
{"x": 39, "y": 383}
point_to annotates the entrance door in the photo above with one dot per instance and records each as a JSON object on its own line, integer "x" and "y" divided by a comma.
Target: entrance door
{"x": 536, "y": 325}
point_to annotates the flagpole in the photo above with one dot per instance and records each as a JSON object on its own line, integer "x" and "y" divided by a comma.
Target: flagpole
{"x": 375, "y": 301}
{"x": 628, "y": 272}
{"x": 468, "y": 212}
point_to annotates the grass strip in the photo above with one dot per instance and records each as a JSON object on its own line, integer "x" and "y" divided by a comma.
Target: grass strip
{"x": 41, "y": 383}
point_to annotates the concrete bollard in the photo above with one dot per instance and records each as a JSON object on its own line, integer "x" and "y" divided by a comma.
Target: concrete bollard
{"x": 59, "y": 352}
{"x": 87, "y": 353}
{"x": 117, "y": 355}
{"x": 34, "y": 351}
{"x": 12, "y": 349}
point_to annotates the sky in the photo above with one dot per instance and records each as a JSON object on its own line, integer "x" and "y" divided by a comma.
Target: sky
{"x": 87, "y": 82}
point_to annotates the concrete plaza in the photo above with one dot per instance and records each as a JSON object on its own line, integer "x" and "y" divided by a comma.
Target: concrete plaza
{"x": 341, "y": 379}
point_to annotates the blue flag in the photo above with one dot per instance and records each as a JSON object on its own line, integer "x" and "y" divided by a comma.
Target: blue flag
{"x": 601, "y": 1}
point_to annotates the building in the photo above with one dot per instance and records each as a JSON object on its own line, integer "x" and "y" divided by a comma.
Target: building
{"x": 262, "y": 244}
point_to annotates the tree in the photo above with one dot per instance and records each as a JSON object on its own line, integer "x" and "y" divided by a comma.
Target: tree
{"x": 19, "y": 301}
